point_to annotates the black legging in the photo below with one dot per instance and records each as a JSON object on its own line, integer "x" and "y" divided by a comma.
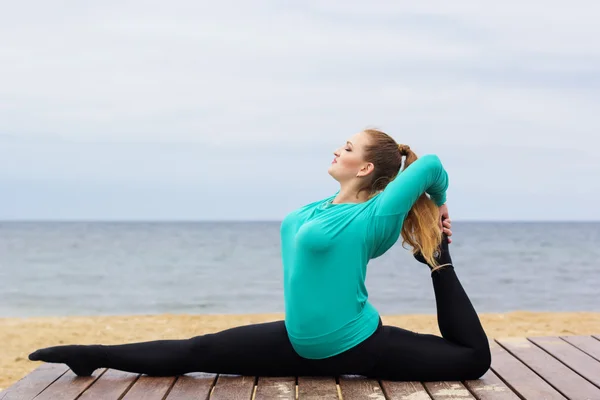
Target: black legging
{"x": 264, "y": 349}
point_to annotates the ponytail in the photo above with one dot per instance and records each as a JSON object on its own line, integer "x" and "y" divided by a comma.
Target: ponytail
{"x": 420, "y": 229}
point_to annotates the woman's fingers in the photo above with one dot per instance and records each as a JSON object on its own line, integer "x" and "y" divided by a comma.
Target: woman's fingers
{"x": 446, "y": 226}
{"x": 448, "y": 233}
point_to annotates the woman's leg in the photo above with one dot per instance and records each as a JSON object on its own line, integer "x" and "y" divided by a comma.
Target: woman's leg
{"x": 259, "y": 350}
{"x": 461, "y": 353}
{"x": 251, "y": 349}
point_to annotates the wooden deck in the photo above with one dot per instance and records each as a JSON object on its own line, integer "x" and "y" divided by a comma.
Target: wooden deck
{"x": 537, "y": 368}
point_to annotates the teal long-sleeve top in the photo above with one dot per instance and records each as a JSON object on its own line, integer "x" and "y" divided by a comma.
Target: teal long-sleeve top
{"x": 325, "y": 250}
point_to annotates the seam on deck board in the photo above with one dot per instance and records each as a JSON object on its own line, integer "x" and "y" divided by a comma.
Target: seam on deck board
{"x": 427, "y": 389}
{"x": 338, "y": 388}
{"x": 383, "y": 389}
{"x": 212, "y": 387}
{"x": 170, "y": 387}
{"x": 472, "y": 391}
{"x": 511, "y": 387}
{"x": 560, "y": 361}
{"x": 388, "y": 395}
{"x": 211, "y": 391}
{"x": 469, "y": 390}
{"x": 534, "y": 371}
{"x": 254, "y": 388}
{"x": 87, "y": 387}
{"x": 91, "y": 384}
{"x": 128, "y": 388}
{"x": 51, "y": 383}
{"x": 46, "y": 387}
{"x": 565, "y": 340}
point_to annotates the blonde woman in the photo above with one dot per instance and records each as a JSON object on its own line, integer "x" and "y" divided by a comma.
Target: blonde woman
{"x": 330, "y": 327}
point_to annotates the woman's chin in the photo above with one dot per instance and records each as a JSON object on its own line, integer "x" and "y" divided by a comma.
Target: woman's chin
{"x": 331, "y": 172}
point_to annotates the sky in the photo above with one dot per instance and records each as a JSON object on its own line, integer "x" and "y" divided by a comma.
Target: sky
{"x": 231, "y": 110}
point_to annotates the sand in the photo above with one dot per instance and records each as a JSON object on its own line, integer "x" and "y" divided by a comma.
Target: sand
{"x": 20, "y": 336}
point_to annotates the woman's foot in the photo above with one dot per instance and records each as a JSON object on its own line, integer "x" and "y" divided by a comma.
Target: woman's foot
{"x": 83, "y": 360}
{"x": 442, "y": 256}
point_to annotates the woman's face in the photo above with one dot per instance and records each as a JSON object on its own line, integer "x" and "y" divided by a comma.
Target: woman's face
{"x": 348, "y": 162}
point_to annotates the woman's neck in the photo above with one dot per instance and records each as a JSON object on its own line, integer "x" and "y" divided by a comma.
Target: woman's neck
{"x": 350, "y": 195}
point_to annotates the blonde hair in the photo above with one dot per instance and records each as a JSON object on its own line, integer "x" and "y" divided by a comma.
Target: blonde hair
{"x": 420, "y": 229}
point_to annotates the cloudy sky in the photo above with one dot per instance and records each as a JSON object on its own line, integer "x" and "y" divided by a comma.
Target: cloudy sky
{"x": 193, "y": 110}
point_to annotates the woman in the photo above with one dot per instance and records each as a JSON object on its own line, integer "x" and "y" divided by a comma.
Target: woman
{"x": 330, "y": 328}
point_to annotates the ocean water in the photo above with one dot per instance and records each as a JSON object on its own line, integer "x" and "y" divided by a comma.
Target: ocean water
{"x": 106, "y": 268}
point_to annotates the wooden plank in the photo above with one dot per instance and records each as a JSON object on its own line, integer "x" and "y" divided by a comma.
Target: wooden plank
{"x": 276, "y": 388}
{"x": 571, "y": 356}
{"x": 69, "y": 386}
{"x": 233, "y": 387}
{"x": 35, "y": 382}
{"x": 448, "y": 390}
{"x": 490, "y": 387}
{"x": 111, "y": 385}
{"x": 317, "y": 388}
{"x": 586, "y": 344}
{"x": 356, "y": 387}
{"x": 192, "y": 386}
{"x": 404, "y": 390}
{"x": 569, "y": 383}
{"x": 150, "y": 388}
{"x": 519, "y": 377}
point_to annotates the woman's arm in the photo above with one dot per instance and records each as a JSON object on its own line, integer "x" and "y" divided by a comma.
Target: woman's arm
{"x": 425, "y": 175}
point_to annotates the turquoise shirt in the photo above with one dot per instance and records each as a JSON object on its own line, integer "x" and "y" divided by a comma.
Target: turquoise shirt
{"x": 325, "y": 250}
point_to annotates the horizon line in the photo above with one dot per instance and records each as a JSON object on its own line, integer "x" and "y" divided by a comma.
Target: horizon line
{"x": 191, "y": 220}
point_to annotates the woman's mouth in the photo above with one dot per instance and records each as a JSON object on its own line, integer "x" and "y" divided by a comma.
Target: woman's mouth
{"x": 334, "y": 161}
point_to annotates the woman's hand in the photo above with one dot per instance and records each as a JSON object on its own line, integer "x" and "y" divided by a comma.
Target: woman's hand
{"x": 447, "y": 224}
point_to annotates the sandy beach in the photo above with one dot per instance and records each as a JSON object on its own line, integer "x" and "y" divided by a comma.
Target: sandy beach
{"x": 20, "y": 336}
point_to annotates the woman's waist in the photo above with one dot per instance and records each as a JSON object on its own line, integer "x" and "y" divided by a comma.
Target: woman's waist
{"x": 326, "y": 334}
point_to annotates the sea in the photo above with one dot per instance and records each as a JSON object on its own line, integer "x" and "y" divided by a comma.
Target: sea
{"x": 126, "y": 268}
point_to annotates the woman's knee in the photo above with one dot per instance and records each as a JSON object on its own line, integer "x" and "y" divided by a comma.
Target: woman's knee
{"x": 478, "y": 363}
{"x": 199, "y": 345}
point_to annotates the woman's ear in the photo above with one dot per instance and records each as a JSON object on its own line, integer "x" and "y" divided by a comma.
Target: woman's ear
{"x": 367, "y": 169}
